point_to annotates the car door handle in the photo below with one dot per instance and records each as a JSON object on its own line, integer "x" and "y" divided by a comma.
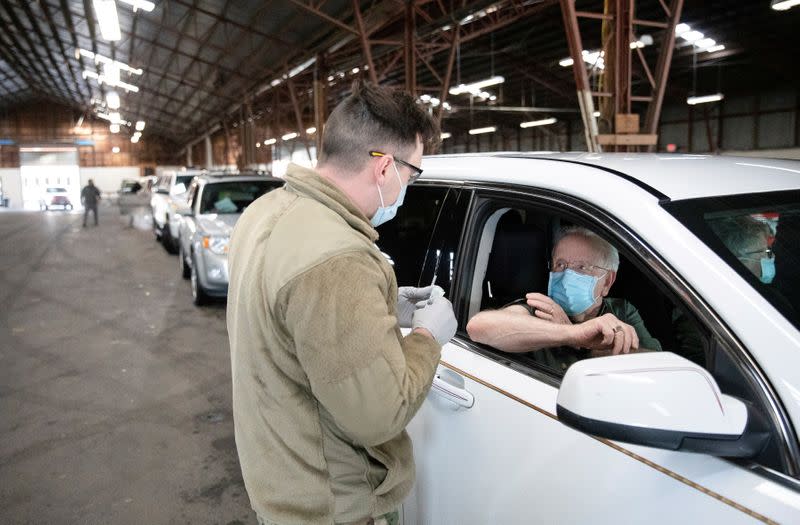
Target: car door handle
{"x": 444, "y": 388}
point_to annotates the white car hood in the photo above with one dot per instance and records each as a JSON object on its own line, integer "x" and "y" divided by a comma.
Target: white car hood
{"x": 216, "y": 224}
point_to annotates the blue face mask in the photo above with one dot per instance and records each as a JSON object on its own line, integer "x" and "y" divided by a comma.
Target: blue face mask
{"x": 767, "y": 270}
{"x": 387, "y": 213}
{"x": 574, "y": 292}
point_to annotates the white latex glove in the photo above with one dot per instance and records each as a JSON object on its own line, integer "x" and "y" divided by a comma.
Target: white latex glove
{"x": 407, "y": 299}
{"x": 438, "y": 318}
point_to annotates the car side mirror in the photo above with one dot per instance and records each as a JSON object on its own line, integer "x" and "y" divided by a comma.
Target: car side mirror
{"x": 656, "y": 399}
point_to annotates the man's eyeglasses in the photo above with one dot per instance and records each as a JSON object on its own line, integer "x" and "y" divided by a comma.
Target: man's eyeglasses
{"x": 415, "y": 171}
{"x": 579, "y": 267}
{"x": 766, "y": 253}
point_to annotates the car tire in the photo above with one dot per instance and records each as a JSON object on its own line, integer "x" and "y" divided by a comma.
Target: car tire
{"x": 199, "y": 296}
{"x": 156, "y": 230}
{"x": 68, "y": 207}
{"x": 167, "y": 240}
{"x": 186, "y": 271}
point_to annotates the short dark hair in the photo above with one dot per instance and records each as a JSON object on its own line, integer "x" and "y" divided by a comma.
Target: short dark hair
{"x": 376, "y": 118}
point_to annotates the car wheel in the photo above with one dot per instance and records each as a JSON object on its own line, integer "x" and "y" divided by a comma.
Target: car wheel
{"x": 68, "y": 207}
{"x": 156, "y": 230}
{"x": 199, "y": 296}
{"x": 186, "y": 272}
{"x": 167, "y": 240}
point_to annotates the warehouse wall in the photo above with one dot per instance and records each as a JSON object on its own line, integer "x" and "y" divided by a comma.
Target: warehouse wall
{"x": 764, "y": 124}
{"x": 45, "y": 123}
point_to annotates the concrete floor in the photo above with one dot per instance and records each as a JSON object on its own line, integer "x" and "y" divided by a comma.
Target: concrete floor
{"x": 115, "y": 390}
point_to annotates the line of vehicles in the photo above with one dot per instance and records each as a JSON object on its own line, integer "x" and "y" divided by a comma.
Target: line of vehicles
{"x": 193, "y": 213}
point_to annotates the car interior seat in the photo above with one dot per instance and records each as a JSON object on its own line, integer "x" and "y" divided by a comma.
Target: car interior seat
{"x": 517, "y": 263}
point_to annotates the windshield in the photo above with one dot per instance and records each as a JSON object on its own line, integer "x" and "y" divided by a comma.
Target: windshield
{"x": 56, "y": 190}
{"x": 758, "y": 235}
{"x": 233, "y": 197}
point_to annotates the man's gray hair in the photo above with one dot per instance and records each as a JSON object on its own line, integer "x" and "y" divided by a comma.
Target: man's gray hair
{"x": 739, "y": 234}
{"x": 609, "y": 256}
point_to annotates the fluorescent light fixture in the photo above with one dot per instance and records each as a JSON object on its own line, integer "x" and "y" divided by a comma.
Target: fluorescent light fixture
{"x": 705, "y": 43}
{"x": 783, "y": 5}
{"x": 425, "y": 98}
{"x": 593, "y": 58}
{"x": 113, "y": 128}
{"x": 311, "y": 130}
{"x": 330, "y": 78}
{"x": 716, "y": 97}
{"x": 115, "y": 149}
{"x": 681, "y": 29}
{"x": 270, "y": 142}
{"x": 718, "y": 47}
{"x": 447, "y": 106}
{"x": 100, "y": 59}
{"x": 137, "y": 134}
{"x": 106, "y": 12}
{"x": 144, "y": 5}
{"x": 636, "y": 44}
{"x": 355, "y": 70}
{"x": 493, "y": 98}
{"x": 535, "y": 123}
{"x": 446, "y": 135}
{"x": 101, "y": 79}
{"x": 258, "y": 144}
{"x": 140, "y": 125}
{"x": 476, "y": 87}
{"x": 115, "y": 117}
{"x": 435, "y": 102}
{"x": 479, "y": 131}
{"x": 596, "y": 114}
{"x": 112, "y": 100}
{"x": 289, "y": 136}
{"x": 135, "y": 138}
{"x": 692, "y": 36}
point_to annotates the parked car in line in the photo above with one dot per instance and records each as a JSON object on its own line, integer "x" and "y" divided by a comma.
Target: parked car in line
{"x": 135, "y": 193}
{"x": 213, "y": 206}
{"x": 169, "y": 194}
{"x": 702, "y": 432}
{"x": 55, "y": 197}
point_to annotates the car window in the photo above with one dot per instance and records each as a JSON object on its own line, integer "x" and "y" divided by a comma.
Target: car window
{"x": 190, "y": 201}
{"x": 511, "y": 246}
{"x": 233, "y": 197}
{"x": 758, "y": 235}
{"x": 183, "y": 179}
{"x": 406, "y": 240}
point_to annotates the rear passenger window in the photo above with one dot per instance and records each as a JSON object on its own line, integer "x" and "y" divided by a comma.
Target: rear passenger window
{"x": 406, "y": 241}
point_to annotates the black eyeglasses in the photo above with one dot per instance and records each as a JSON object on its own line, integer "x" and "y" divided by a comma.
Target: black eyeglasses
{"x": 415, "y": 171}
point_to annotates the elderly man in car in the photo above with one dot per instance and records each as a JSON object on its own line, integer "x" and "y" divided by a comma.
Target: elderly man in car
{"x": 576, "y": 319}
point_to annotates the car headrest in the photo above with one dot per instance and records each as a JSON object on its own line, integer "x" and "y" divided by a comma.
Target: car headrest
{"x": 517, "y": 263}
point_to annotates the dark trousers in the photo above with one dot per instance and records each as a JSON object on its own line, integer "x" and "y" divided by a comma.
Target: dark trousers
{"x": 86, "y": 210}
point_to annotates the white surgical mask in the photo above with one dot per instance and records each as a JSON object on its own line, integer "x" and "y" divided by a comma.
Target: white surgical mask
{"x": 387, "y": 213}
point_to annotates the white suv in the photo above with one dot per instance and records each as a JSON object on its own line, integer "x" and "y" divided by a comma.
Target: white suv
{"x": 703, "y": 432}
{"x": 169, "y": 194}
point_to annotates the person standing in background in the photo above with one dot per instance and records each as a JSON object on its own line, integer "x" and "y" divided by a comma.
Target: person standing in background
{"x": 89, "y": 197}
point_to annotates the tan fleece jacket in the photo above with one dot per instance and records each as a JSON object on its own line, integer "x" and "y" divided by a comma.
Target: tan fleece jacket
{"x": 324, "y": 383}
